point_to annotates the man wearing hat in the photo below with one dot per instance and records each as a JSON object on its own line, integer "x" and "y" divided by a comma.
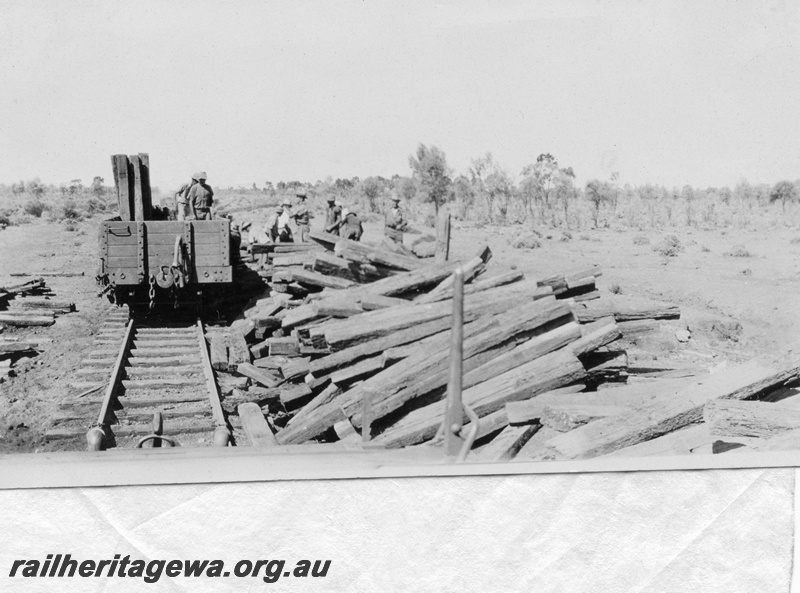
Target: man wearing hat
{"x": 182, "y": 200}
{"x": 333, "y": 219}
{"x": 395, "y": 224}
{"x": 201, "y": 198}
{"x": 277, "y": 227}
{"x": 301, "y": 216}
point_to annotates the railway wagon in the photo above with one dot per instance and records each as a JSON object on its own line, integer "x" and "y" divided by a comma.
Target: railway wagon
{"x": 145, "y": 262}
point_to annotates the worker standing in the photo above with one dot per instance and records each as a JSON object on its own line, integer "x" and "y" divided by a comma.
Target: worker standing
{"x": 201, "y": 198}
{"x": 395, "y": 223}
{"x": 271, "y": 228}
{"x": 333, "y": 220}
{"x": 182, "y": 199}
{"x": 277, "y": 227}
{"x": 301, "y": 216}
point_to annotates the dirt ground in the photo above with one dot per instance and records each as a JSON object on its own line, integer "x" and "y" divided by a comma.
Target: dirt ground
{"x": 734, "y": 306}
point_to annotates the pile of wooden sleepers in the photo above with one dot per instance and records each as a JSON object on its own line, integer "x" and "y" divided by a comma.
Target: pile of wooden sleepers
{"x": 28, "y": 304}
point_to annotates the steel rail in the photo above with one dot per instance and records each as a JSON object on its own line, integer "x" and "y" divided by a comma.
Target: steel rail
{"x": 96, "y": 436}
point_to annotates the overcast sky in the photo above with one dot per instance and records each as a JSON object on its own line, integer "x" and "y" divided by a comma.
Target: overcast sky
{"x": 705, "y": 93}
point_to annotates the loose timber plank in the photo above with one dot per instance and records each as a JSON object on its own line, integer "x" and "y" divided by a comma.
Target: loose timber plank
{"x": 258, "y": 375}
{"x": 255, "y": 425}
{"x": 686, "y": 407}
{"x": 507, "y": 444}
{"x": 763, "y": 420}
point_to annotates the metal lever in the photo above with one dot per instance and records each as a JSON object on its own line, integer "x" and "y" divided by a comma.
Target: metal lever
{"x": 150, "y": 440}
{"x": 456, "y": 447}
{"x": 164, "y": 440}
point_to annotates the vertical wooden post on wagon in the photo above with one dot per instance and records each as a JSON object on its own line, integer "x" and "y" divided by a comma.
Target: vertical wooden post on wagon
{"x": 141, "y": 196}
{"x": 124, "y": 186}
{"x": 147, "y": 196}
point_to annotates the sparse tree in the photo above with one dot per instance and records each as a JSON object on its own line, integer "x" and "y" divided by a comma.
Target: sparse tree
{"x": 463, "y": 194}
{"x": 565, "y": 191}
{"x": 372, "y": 188}
{"x": 501, "y": 189}
{"x": 538, "y": 182}
{"x": 689, "y": 196}
{"x": 479, "y": 171}
{"x": 405, "y": 186}
{"x": 783, "y": 191}
{"x": 75, "y": 187}
{"x": 599, "y": 193}
{"x": 744, "y": 192}
{"x": 430, "y": 169}
{"x": 98, "y": 189}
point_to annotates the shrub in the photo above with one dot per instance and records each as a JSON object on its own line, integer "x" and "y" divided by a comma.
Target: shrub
{"x": 5, "y": 219}
{"x": 795, "y": 241}
{"x": 526, "y": 242}
{"x": 585, "y": 238}
{"x": 669, "y": 247}
{"x": 69, "y": 211}
{"x": 738, "y": 251}
{"x": 565, "y": 236}
{"x": 96, "y": 205}
{"x": 704, "y": 249}
{"x": 641, "y": 240}
{"x": 615, "y": 289}
{"x": 35, "y": 207}
{"x": 70, "y": 225}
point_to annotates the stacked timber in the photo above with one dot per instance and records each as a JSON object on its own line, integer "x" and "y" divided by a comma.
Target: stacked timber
{"x": 31, "y": 287}
{"x": 269, "y": 257}
{"x": 353, "y": 343}
{"x": 30, "y": 304}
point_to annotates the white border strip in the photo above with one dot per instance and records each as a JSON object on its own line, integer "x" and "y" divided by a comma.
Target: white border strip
{"x": 246, "y": 464}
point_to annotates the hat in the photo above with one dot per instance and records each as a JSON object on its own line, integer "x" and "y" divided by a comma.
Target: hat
{"x": 234, "y": 226}
{"x": 301, "y": 193}
{"x": 278, "y": 208}
{"x": 395, "y": 198}
{"x": 246, "y": 225}
{"x": 331, "y": 199}
{"x": 286, "y": 202}
{"x": 201, "y": 175}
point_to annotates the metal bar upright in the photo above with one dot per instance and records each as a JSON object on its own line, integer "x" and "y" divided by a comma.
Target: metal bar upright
{"x": 454, "y": 412}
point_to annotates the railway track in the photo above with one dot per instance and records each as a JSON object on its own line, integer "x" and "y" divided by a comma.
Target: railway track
{"x": 143, "y": 381}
